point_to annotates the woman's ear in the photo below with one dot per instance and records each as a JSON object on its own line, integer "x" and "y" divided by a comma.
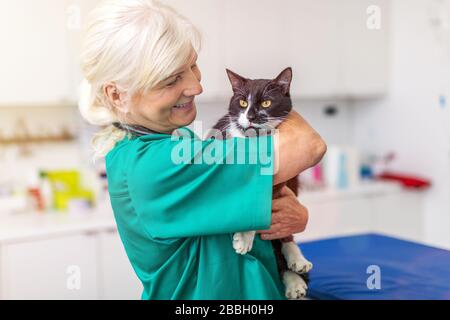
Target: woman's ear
{"x": 116, "y": 97}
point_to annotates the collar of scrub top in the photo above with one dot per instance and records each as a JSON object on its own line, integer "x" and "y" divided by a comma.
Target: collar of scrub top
{"x": 135, "y": 130}
{"x": 139, "y": 131}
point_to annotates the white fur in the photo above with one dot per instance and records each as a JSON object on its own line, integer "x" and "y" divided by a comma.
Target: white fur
{"x": 295, "y": 285}
{"x": 294, "y": 258}
{"x": 243, "y": 120}
{"x": 235, "y": 131}
{"x": 243, "y": 241}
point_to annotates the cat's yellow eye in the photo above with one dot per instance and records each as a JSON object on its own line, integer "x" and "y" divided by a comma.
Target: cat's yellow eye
{"x": 243, "y": 103}
{"x": 266, "y": 104}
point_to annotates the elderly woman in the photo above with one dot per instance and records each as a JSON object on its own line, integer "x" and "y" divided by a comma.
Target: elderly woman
{"x": 176, "y": 220}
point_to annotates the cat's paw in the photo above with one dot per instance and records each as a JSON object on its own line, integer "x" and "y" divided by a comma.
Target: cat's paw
{"x": 300, "y": 265}
{"x": 295, "y": 259}
{"x": 243, "y": 241}
{"x": 295, "y": 286}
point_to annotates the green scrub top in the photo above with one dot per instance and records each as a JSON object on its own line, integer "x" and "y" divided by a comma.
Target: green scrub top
{"x": 176, "y": 215}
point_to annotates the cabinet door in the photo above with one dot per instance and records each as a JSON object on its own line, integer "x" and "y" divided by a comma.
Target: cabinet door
{"x": 337, "y": 218}
{"x": 206, "y": 16}
{"x": 118, "y": 278}
{"x": 399, "y": 215}
{"x": 364, "y": 47}
{"x": 34, "y": 56}
{"x": 314, "y": 48}
{"x": 256, "y": 37}
{"x": 77, "y": 12}
{"x": 327, "y": 43}
{"x": 58, "y": 268}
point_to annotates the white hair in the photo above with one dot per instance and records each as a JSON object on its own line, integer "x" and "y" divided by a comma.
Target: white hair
{"x": 134, "y": 44}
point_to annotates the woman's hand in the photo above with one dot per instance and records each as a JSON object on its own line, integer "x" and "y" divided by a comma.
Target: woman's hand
{"x": 288, "y": 216}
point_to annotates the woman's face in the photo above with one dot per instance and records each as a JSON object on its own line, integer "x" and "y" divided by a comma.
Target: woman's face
{"x": 170, "y": 105}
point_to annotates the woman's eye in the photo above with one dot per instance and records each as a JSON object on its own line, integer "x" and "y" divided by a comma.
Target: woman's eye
{"x": 243, "y": 103}
{"x": 175, "y": 81}
{"x": 266, "y": 104}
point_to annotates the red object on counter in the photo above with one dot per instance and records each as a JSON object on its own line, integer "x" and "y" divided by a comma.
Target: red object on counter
{"x": 406, "y": 180}
{"x": 38, "y": 201}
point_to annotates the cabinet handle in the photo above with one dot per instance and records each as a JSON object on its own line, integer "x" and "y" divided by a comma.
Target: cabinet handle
{"x": 90, "y": 233}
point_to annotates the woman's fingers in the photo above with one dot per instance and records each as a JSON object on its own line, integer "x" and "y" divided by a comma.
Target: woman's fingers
{"x": 277, "y": 232}
{"x": 273, "y": 228}
{"x": 289, "y": 216}
{"x": 271, "y": 236}
{"x": 277, "y": 204}
{"x": 286, "y": 191}
{"x": 280, "y": 203}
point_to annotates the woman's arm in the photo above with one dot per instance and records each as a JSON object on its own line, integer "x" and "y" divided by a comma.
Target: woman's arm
{"x": 289, "y": 216}
{"x": 297, "y": 147}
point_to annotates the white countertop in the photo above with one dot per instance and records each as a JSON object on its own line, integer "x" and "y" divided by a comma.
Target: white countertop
{"x": 35, "y": 225}
{"x": 364, "y": 189}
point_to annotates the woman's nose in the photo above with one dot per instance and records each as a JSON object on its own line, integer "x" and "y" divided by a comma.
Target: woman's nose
{"x": 194, "y": 87}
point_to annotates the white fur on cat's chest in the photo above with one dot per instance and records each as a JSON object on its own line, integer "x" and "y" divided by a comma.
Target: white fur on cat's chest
{"x": 235, "y": 132}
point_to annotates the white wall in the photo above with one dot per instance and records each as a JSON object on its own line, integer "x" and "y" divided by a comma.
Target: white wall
{"x": 411, "y": 121}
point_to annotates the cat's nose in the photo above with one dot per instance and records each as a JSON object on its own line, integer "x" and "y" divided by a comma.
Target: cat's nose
{"x": 251, "y": 117}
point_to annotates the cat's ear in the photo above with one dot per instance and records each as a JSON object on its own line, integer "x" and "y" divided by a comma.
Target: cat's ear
{"x": 284, "y": 80}
{"x": 237, "y": 82}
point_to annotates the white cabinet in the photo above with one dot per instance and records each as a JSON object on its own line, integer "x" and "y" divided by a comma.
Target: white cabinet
{"x": 399, "y": 215}
{"x": 41, "y": 43}
{"x": 364, "y": 47}
{"x": 327, "y": 42}
{"x": 315, "y": 48}
{"x": 118, "y": 280}
{"x": 336, "y": 49}
{"x": 56, "y": 268}
{"x": 255, "y": 37}
{"x": 77, "y": 12}
{"x": 336, "y": 218}
{"x": 395, "y": 213}
{"x": 34, "y": 56}
{"x": 207, "y": 15}
{"x": 86, "y": 265}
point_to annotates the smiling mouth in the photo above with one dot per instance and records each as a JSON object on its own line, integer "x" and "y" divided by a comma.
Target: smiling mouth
{"x": 186, "y": 105}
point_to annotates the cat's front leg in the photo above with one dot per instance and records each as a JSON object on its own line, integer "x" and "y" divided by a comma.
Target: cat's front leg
{"x": 294, "y": 258}
{"x": 243, "y": 241}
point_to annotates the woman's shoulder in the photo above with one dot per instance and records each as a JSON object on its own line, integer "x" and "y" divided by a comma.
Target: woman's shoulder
{"x": 133, "y": 148}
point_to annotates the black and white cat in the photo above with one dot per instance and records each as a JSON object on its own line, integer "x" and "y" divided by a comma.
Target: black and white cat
{"x": 257, "y": 107}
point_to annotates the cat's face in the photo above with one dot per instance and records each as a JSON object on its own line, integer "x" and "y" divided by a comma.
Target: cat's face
{"x": 260, "y": 103}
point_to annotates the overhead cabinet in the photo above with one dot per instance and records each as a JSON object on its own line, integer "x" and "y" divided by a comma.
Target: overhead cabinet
{"x": 330, "y": 44}
{"x": 41, "y": 43}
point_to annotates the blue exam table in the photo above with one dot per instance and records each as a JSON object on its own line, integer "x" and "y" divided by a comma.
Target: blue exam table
{"x": 407, "y": 270}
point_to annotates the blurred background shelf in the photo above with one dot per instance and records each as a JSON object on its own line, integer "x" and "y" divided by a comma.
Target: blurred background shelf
{"x": 365, "y": 189}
